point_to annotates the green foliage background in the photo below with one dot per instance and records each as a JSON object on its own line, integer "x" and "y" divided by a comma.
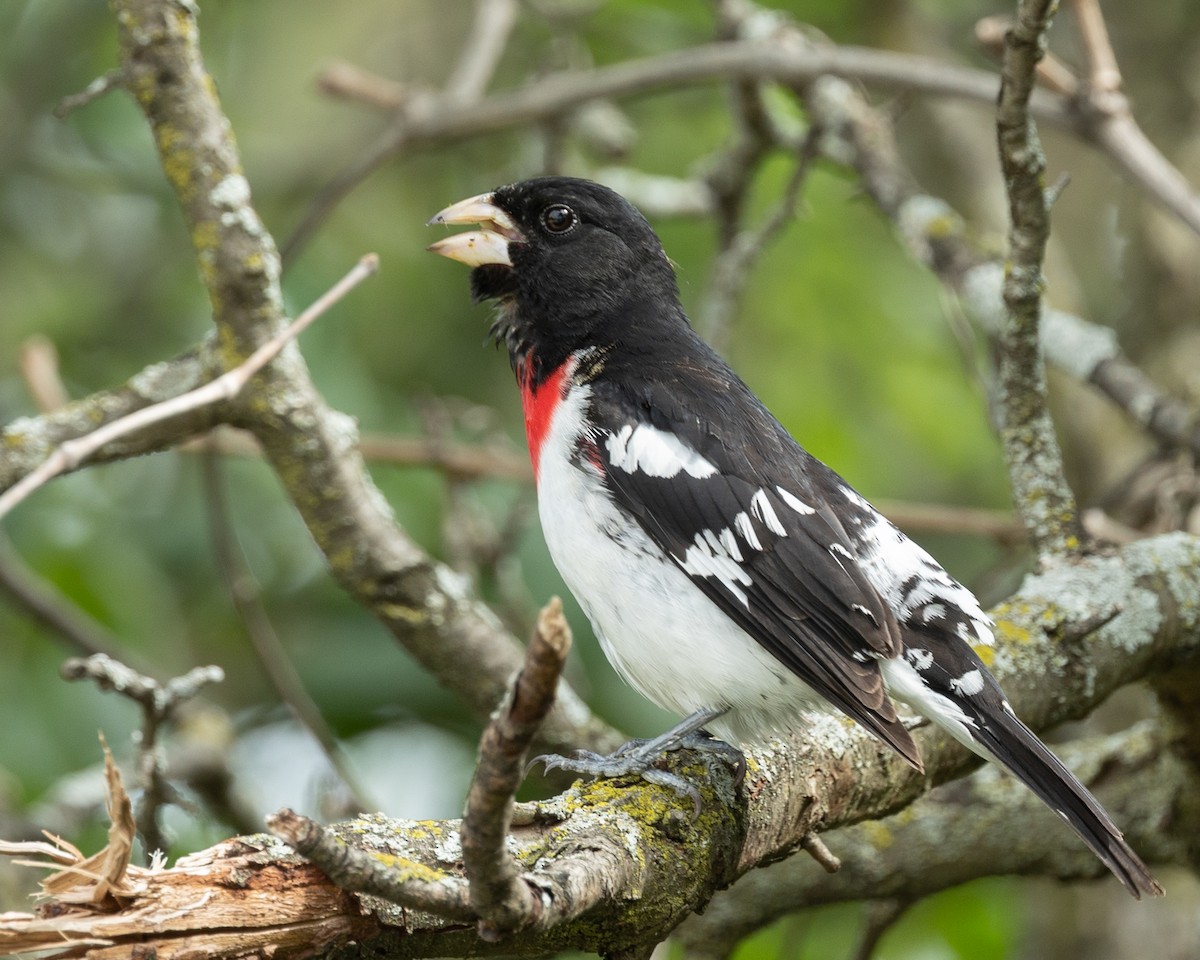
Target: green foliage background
{"x": 843, "y": 336}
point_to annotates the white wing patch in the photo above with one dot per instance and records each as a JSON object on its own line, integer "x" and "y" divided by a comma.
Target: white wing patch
{"x": 655, "y": 453}
{"x": 766, "y": 513}
{"x": 969, "y": 684}
{"x": 795, "y": 502}
{"x": 743, "y": 526}
{"x": 708, "y": 557}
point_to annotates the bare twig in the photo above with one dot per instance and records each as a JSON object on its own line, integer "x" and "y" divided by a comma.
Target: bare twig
{"x": 39, "y": 368}
{"x": 1052, "y": 73}
{"x": 93, "y": 91}
{"x": 350, "y": 82}
{"x": 734, "y": 264}
{"x": 860, "y": 136}
{"x": 1000, "y": 525}
{"x": 435, "y": 122}
{"x": 502, "y": 899}
{"x": 401, "y": 882}
{"x": 1027, "y": 432}
{"x": 480, "y": 54}
{"x": 264, "y": 641}
{"x": 158, "y": 702}
{"x": 815, "y": 847}
{"x": 1103, "y": 75}
{"x": 882, "y": 915}
{"x": 1101, "y": 114}
{"x": 74, "y": 452}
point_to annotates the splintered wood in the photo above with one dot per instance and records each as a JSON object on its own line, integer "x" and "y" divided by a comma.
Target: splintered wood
{"x": 231, "y": 900}
{"x": 235, "y": 899}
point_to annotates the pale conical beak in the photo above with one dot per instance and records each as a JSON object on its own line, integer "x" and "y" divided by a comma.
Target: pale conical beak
{"x": 477, "y": 247}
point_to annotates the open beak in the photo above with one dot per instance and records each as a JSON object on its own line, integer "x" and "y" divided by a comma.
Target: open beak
{"x": 477, "y": 247}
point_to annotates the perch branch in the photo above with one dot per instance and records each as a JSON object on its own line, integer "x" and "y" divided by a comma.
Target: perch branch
{"x": 631, "y": 857}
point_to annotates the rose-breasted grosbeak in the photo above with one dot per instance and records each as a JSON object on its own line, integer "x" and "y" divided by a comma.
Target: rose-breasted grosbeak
{"x": 730, "y": 576}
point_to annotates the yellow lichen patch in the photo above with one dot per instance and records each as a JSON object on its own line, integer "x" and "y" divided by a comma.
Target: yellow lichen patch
{"x": 413, "y": 616}
{"x": 407, "y": 869}
{"x": 944, "y": 226}
{"x": 205, "y": 236}
{"x": 879, "y": 835}
{"x": 985, "y": 652}
{"x": 178, "y": 162}
{"x": 1008, "y": 630}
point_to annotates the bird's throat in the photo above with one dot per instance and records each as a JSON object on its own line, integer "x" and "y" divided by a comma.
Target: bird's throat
{"x": 539, "y": 400}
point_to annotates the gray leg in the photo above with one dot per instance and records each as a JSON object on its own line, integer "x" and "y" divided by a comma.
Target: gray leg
{"x": 637, "y": 756}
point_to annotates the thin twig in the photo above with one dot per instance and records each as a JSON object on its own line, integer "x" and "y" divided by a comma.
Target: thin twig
{"x": 353, "y": 869}
{"x": 93, "y": 91}
{"x": 436, "y": 122}
{"x": 1103, "y": 75}
{"x": 480, "y": 54}
{"x": 504, "y": 902}
{"x": 459, "y": 461}
{"x": 1101, "y": 116}
{"x": 72, "y": 453}
{"x": 1031, "y": 447}
{"x": 815, "y": 847}
{"x": 264, "y": 641}
{"x": 158, "y": 702}
{"x": 351, "y": 82}
{"x": 1052, "y": 73}
{"x": 39, "y": 370}
{"x": 860, "y": 136}
{"x": 734, "y": 264}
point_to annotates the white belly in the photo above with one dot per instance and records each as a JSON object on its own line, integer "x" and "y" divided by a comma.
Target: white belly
{"x": 660, "y": 632}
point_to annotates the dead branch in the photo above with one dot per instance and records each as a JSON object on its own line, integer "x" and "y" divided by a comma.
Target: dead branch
{"x": 159, "y": 703}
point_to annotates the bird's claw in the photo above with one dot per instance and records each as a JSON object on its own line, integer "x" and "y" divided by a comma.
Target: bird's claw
{"x": 624, "y": 762}
{"x": 637, "y": 758}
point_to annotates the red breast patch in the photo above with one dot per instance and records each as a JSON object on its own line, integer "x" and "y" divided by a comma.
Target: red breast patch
{"x": 539, "y": 403}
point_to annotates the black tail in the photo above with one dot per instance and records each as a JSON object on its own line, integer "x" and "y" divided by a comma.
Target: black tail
{"x": 1018, "y": 749}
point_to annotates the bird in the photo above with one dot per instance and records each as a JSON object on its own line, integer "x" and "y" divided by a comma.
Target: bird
{"x": 729, "y": 575}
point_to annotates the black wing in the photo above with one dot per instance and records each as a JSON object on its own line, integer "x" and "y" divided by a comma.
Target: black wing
{"x": 748, "y": 515}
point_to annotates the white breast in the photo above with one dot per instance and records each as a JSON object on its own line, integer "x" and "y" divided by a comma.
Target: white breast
{"x": 660, "y": 632}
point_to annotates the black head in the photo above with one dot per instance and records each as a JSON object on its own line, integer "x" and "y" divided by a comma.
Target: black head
{"x": 571, "y": 264}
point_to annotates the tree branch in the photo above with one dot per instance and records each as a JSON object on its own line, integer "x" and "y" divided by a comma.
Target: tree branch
{"x": 1031, "y": 448}
{"x": 633, "y": 857}
{"x": 987, "y": 825}
{"x": 311, "y": 447}
{"x": 499, "y": 895}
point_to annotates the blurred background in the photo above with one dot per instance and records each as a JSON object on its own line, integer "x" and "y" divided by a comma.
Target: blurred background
{"x": 850, "y": 342}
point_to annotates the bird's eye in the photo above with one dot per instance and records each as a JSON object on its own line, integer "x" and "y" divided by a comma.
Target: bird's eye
{"x": 558, "y": 218}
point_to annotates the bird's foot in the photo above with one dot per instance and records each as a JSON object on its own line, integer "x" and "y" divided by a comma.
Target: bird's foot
{"x": 637, "y": 757}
